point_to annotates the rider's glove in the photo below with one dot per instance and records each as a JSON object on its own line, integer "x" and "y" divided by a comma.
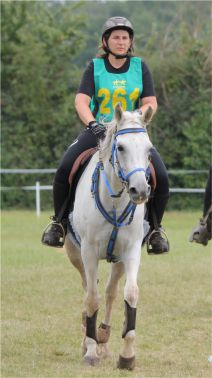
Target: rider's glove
{"x": 97, "y": 129}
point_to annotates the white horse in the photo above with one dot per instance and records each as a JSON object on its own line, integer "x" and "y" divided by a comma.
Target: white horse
{"x": 109, "y": 225}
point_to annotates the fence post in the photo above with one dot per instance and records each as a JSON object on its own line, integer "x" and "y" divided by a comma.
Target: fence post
{"x": 37, "y": 198}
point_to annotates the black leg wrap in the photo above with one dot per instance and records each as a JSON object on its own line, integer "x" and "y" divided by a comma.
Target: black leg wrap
{"x": 130, "y": 319}
{"x": 91, "y": 326}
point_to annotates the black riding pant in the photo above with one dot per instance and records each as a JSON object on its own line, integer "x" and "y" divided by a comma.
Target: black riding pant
{"x": 61, "y": 187}
{"x": 87, "y": 140}
{"x": 161, "y": 193}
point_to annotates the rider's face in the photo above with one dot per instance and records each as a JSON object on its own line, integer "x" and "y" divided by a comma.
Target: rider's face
{"x": 119, "y": 42}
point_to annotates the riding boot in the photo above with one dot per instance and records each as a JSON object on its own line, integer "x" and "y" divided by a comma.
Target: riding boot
{"x": 156, "y": 239}
{"x": 55, "y": 232}
{"x": 157, "y": 242}
{"x": 203, "y": 232}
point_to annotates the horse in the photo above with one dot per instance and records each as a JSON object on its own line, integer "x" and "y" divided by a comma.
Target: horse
{"x": 107, "y": 217}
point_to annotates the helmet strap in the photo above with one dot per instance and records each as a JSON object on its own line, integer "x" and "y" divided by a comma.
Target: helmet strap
{"x": 121, "y": 56}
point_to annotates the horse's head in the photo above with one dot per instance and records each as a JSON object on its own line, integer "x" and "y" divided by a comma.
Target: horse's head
{"x": 131, "y": 152}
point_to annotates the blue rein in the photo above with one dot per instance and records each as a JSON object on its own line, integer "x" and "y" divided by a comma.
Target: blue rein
{"x": 129, "y": 210}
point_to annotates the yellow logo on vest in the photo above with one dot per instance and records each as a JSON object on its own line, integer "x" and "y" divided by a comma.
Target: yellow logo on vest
{"x": 119, "y": 83}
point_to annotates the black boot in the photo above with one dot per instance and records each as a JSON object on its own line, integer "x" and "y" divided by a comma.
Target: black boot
{"x": 54, "y": 234}
{"x": 156, "y": 239}
{"x": 157, "y": 242}
{"x": 203, "y": 232}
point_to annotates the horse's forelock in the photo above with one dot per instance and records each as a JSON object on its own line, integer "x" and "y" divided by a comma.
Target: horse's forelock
{"x": 131, "y": 119}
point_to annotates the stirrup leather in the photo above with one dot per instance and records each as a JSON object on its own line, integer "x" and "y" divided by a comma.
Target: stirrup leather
{"x": 160, "y": 231}
{"x": 62, "y": 238}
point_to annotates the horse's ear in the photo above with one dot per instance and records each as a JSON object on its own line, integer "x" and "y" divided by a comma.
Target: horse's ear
{"x": 118, "y": 112}
{"x": 148, "y": 115}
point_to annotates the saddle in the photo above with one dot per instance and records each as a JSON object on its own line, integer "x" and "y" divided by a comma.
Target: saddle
{"x": 81, "y": 163}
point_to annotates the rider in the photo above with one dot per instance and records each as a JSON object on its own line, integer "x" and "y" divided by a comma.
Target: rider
{"x": 114, "y": 76}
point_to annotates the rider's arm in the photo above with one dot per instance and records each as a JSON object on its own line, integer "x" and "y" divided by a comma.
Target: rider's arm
{"x": 85, "y": 92}
{"x": 148, "y": 97}
{"x": 148, "y": 101}
{"x": 82, "y": 102}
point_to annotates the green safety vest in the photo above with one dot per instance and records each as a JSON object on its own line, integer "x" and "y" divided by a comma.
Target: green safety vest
{"x": 111, "y": 88}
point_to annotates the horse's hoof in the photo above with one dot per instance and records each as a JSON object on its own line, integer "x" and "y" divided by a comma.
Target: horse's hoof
{"x": 91, "y": 360}
{"x": 126, "y": 363}
{"x": 84, "y": 349}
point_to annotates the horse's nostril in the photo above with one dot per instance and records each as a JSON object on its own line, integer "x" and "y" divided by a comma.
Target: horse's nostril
{"x": 133, "y": 191}
{"x": 137, "y": 195}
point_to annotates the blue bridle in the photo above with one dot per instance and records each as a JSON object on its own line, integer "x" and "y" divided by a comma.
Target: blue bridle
{"x": 114, "y": 158}
{"x": 129, "y": 210}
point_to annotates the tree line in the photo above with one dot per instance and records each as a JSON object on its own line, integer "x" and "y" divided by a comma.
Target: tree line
{"x": 45, "y": 47}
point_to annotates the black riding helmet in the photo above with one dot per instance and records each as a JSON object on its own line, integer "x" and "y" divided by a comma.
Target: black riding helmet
{"x": 117, "y": 23}
{"x": 114, "y": 23}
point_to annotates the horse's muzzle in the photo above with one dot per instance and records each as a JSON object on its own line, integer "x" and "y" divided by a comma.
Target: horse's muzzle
{"x": 139, "y": 196}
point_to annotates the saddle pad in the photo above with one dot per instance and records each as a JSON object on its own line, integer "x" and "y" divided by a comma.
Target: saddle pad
{"x": 152, "y": 176}
{"x": 80, "y": 161}
{"x": 77, "y": 170}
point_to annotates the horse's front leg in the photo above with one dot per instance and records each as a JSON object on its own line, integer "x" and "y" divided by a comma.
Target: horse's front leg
{"x": 74, "y": 256}
{"x": 90, "y": 262}
{"x": 131, "y": 292}
{"x": 103, "y": 333}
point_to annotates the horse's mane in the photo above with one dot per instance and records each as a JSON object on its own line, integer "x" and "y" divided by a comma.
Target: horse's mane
{"x": 129, "y": 119}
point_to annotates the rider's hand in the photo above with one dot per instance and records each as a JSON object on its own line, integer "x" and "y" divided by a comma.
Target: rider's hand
{"x": 97, "y": 129}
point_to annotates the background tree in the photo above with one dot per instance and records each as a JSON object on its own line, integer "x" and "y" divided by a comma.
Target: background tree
{"x": 45, "y": 47}
{"x": 181, "y": 66}
{"x": 40, "y": 43}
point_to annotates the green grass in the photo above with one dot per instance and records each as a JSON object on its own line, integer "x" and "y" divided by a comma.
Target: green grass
{"x": 42, "y": 302}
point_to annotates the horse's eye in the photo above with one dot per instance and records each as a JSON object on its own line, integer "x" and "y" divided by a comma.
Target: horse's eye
{"x": 120, "y": 148}
{"x": 150, "y": 156}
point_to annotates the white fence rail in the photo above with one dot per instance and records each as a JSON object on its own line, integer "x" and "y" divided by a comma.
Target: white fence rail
{"x": 37, "y": 187}
{"x": 53, "y": 170}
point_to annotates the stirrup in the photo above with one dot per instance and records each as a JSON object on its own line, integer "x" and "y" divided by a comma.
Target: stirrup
{"x": 149, "y": 247}
{"x": 61, "y": 242}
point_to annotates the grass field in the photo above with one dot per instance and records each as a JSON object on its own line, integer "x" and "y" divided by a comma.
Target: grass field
{"x": 42, "y": 302}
